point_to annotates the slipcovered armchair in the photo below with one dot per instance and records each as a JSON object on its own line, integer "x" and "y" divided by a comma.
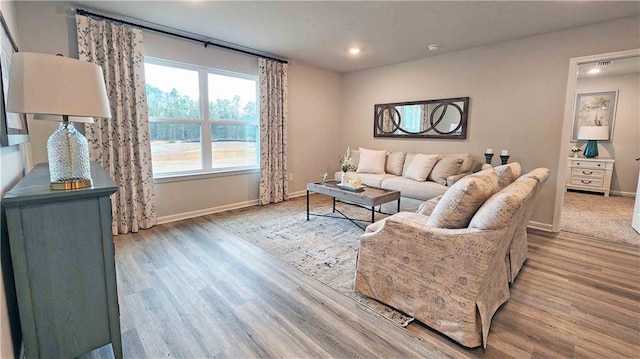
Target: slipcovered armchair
{"x": 451, "y": 279}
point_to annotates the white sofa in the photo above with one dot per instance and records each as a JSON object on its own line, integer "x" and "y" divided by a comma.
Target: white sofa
{"x": 393, "y": 174}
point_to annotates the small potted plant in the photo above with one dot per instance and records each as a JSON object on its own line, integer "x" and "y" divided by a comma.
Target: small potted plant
{"x": 575, "y": 151}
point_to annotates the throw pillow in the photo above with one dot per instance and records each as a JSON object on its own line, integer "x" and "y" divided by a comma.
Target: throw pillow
{"x": 458, "y": 205}
{"x": 371, "y": 161}
{"x": 507, "y": 174}
{"x": 421, "y": 166}
{"x": 445, "y": 167}
{"x": 499, "y": 210}
{"x": 407, "y": 161}
{"x": 395, "y": 162}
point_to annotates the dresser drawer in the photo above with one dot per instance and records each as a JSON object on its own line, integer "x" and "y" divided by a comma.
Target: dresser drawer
{"x": 585, "y": 182}
{"x": 589, "y": 164}
{"x": 588, "y": 173}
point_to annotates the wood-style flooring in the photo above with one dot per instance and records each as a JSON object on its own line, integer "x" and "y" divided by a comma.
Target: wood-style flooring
{"x": 190, "y": 289}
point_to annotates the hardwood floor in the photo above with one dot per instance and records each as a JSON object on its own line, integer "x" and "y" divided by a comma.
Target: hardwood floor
{"x": 192, "y": 290}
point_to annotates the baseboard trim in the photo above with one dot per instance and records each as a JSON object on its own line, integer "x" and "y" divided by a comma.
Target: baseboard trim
{"x": 212, "y": 210}
{"x": 540, "y": 226}
{"x": 623, "y": 194}
{"x": 206, "y": 211}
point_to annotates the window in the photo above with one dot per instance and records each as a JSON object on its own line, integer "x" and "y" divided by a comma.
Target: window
{"x": 201, "y": 119}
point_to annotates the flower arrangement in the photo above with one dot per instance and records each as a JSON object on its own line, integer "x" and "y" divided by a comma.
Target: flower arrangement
{"x": 347, "y": 163}
{"x": 575, "y": 149}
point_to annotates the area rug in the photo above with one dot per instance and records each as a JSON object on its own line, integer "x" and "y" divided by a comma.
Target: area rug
{"x": 606, "y": 218}
{"x": 323, "y": 248}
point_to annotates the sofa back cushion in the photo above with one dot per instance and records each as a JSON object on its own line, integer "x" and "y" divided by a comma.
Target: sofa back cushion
{"x": 395, "y": 163}
{"x": 458, "y": 205}
{"x": 371, "y": 161}
{"x": 445, "y": 167}
{"x": 505, "y": 206}
{"x": 420, "y": 167}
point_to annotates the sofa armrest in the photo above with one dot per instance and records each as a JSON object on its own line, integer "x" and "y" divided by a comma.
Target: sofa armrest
{"x": 455, "y": 178}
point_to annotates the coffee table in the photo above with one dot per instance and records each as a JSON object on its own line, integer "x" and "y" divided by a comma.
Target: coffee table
{"x": 370, "y": 197}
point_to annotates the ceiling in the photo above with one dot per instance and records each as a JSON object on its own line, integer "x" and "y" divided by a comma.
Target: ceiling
{"x": 319, "y": 33}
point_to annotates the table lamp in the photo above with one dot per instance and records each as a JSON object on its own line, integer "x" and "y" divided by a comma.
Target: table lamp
{"x": 592, "y": 134}
{"x": 62, "y": 89}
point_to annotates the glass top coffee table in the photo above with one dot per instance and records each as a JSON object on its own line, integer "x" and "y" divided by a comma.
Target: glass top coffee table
{"x": 369, "y": 197}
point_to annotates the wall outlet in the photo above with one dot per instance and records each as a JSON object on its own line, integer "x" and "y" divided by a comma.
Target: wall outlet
{"x": 290, "y": 176}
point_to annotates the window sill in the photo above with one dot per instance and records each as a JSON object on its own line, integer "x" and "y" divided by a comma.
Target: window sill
{"x": 202, "y": 175}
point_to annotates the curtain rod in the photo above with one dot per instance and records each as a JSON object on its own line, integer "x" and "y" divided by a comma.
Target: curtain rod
{"x": 169, "y": 33}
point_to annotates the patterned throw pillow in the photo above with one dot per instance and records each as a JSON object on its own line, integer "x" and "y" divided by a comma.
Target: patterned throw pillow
{"x": 499, "y": 210}
{"x": 507, "y": 174}
{"x": 371, "y": 161}
{"x": 458, "y": 205}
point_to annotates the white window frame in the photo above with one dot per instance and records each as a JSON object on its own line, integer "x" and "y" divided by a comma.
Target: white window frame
{"x": 205, "y": 123}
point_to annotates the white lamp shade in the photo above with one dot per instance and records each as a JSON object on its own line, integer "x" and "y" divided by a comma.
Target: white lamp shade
{"x": 59, "y": 118}
{"x": 56, "y": 85}
{"x": 593, "y": 133}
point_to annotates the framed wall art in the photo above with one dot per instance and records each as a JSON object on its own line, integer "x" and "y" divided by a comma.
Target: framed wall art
{"x": 594, "y": 109}
{"x": 13, "y": 126}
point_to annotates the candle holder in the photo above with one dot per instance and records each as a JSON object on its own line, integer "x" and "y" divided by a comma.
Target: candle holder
{"x": 504, "y": 159}
{"x": 488, "y": 157}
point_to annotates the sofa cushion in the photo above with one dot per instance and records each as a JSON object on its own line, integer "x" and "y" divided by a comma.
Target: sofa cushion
{"x": 507, "y": 174}
{"x": 445, "y": 167}
{"x": 368, "y": 179}
{"x": 371, "y": 161}
{"x": 421, "y": 166}
{"x": 395, "y": 163}
{"x": 499, "y": 210}
{"x": 414, "y": 189}
{"x": 407, "y": 160}
{"x": 467, "y": 161}
{"x": 458, "y": 204}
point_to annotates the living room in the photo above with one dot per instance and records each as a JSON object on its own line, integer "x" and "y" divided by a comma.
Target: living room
{"x": 330, "y": 110}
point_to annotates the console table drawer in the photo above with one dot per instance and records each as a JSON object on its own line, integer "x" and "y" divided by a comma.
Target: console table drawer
{"x": 589, "y": 164}
{"x": 588, "y": 173}
{"x": 595, "y": 183}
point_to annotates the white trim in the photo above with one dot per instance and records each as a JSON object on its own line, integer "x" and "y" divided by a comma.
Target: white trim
{"x": 565, "y": 144}
{"x": 203, "y": 175}
{"x": 541, "y": 226}
{"x": 206, "y": 211}
{"x": 623, "y": 194}
{"x": 298, "y": 193}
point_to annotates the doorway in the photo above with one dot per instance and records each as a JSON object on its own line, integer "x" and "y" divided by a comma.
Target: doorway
{"x": 592, "y": 77}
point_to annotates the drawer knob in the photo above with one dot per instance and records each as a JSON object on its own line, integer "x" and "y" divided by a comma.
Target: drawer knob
{"x": 578, "y": 163}
{"x": 587, "y": 172}
{"x": 585, "y": 181}
{"x": 598, "y": 164}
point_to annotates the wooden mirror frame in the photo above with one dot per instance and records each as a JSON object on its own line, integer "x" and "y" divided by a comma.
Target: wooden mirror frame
{"x": 433, "y": 131}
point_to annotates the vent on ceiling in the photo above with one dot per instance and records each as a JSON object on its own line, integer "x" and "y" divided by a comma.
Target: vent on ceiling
{"x": 604, "y": 63}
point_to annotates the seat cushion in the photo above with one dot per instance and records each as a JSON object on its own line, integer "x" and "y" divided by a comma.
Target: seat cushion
{"x": 414, "y": 189}
{"x": 371, "y": 161}
{"x": 500, "y": 209}
{"x": 368, "y": 179}
{"x": 458, "y": 204}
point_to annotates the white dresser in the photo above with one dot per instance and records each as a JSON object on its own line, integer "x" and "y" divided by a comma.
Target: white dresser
{"x": 590, "y": 174}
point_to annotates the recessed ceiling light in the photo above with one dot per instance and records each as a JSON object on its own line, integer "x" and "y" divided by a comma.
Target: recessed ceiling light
{"x": 433, "y": 47}
{"x": 354, "y": 50}
{"x": 594, "y": 70}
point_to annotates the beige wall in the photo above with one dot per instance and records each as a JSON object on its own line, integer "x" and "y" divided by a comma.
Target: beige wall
{"x": 314, "y": 112}
{"x": 12, "y": 167}
{"x": 625, "y": 143}
{"x": 517, "y": 92}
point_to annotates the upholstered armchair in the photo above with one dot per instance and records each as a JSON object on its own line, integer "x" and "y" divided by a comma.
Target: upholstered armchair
{"x": 451, "y": 279}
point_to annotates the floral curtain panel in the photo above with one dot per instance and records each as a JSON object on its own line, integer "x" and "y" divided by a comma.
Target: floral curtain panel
{"x": 273, "y": 131}
{"x": 121, "y": 144}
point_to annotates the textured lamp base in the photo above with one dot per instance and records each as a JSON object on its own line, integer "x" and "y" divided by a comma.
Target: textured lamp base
{"x": 68, "y": 153}
{"x": 591, "y": 150}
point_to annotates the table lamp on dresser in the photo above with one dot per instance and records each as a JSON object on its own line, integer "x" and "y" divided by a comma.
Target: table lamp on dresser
{"x": 592, "y": 134}
{"x": 63, "y": 89}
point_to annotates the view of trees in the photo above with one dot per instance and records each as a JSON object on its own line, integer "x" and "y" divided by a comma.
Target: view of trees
{"x": 174, "y": 105}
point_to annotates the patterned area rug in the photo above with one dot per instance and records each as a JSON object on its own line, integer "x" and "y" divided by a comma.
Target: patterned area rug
{"x": 323, "y": 248}
{"x": 606, "y": 218}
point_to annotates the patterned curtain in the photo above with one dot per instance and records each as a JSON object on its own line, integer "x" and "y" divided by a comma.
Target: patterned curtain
{"x": 121, "y": 144}
{"x": 273, "y": 131}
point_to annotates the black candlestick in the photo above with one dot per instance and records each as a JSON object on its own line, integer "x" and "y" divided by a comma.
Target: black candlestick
{"x": 504, "y": 159}
{"x": 488, "y": 157}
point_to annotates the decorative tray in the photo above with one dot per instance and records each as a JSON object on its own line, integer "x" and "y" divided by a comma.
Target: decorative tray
{"x": 350, "y": 189}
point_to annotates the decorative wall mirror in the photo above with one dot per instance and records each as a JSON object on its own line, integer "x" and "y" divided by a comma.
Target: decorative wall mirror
{"x": 446, "y": 118}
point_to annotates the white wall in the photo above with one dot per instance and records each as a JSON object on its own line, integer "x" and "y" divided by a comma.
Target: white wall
{"x": 625, "y": 143}
{"x": 12, "y": 168}
{"x": 517, "y": 92}
{"x": 314, "y": 111}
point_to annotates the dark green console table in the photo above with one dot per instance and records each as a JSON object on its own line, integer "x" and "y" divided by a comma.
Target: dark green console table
{"x": 64, "y": 267}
